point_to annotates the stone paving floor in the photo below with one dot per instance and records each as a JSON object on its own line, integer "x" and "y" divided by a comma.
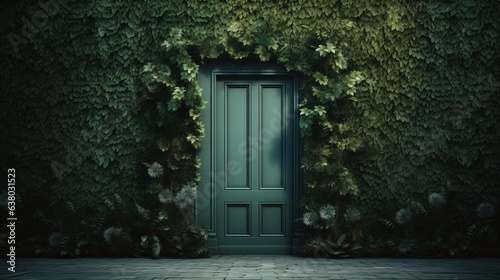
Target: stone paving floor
{"x": 252, "y": 267}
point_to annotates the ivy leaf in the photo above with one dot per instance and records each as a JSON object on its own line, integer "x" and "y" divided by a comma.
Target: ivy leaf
{"x": 326, "y": 49}
{"x": 320, "y": 78}
{"x": 178, "y": 93}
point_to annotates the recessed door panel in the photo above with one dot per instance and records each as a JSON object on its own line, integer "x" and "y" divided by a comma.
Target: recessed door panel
{"x": 271, "y": 144}
{"x": 238, "y": 219}
{"x": 272, "y": 219}
{"x": 236, "y": 134}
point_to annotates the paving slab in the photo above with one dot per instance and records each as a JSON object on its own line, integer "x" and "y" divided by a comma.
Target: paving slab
{"x": 252, "y": 267}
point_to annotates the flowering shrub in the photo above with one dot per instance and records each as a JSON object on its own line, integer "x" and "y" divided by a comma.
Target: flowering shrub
{"x": 441, "y": 228}
{"x": 172, "y": 230}
{"x": 328, "y": 233}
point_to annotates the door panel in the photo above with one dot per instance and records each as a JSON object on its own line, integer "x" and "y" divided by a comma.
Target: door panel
{"x": 272, "y": 219}
{"x": 237, "y": 219}
{"x": 254, "y": 149}
{"x": 236, "y": 133}
{"x": 271, "y": 137}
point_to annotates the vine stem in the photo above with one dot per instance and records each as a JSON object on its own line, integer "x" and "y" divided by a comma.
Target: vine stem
{"x": 339, "y": 136}
{"x": 337, "y": 209}
{"x": 172, "y": 174}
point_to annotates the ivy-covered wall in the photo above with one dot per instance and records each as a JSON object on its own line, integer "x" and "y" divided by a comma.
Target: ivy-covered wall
{"x": 428, "y": 113}
{"x": 401, "y": 98}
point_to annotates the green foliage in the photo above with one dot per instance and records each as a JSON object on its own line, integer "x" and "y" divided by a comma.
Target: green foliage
{"x": 166, "y": 225}
{"x": 397, "y": 99}
{"x": 192, "y": 243}
{"x": 152, "y": 244}
{"x": 425, "y": 113}
{"x": 331, "y": 231}
{"x": 172, "y": 111}
{"x": 445, "y": 230}
{"x": 341, "y": 247}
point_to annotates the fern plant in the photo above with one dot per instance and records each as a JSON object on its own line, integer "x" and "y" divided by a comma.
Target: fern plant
{"x": 81, "y": 233}
{"x": 155, "y": 228}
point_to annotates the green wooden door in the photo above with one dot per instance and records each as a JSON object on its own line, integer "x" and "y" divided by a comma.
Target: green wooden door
{"x": 254, "y": 142}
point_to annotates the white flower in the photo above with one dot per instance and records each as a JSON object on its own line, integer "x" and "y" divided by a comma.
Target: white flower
{"x": 436, "y": 200}
{"x": 309, "y": 218}
{"x": 55, "y": 239}
{"x": 165, "y": 196}
{"x": 204, "y": 235}
{"x": 155, "y": 170}
{"x": 485, "y": 210}
{"x": 327, "y": 212}
{"x": 185, "y": 197}
{"x": 352, "y": 215}
{"x": 113, "y": 232}
{"x": 403, "y": 216}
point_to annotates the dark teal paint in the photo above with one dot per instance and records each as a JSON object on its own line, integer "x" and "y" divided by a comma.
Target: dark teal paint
{"x": 248, "y": 195}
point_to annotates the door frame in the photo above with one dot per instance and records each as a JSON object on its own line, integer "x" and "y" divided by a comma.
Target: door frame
{"x": 208, "y": 74}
